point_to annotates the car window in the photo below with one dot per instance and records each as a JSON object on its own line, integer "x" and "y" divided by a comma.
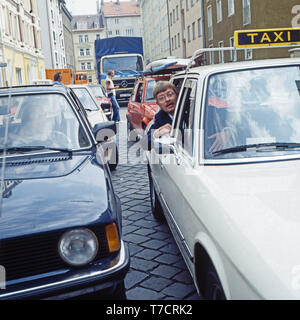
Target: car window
{"x": 185, "y": 121}
{"x": 98, "y": 91}
{"x": 139, "y": 93}
{"x": 149, "y": 90}
{"x": 250, "y": 107}
{"x": 86, "y": 99}
{"x": 41, "y": 120}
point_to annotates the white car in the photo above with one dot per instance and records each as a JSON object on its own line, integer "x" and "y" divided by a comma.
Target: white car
{"x": 227, "y": 180}
{"x": 95, "y": 115}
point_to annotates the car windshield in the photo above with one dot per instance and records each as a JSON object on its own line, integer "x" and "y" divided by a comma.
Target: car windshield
{"x": 98, "y": 91}
{"x": 130, "y": 64}
{"x": 85, "y": 98}
{"x": 253, "y": 113}
{"x": 149, "y": 90}
{"x": 39, "y": 121}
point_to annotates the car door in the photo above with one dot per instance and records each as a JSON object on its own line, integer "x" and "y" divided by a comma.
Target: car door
{"x": 136, "y": 107}
{"x": 177, "y": 169}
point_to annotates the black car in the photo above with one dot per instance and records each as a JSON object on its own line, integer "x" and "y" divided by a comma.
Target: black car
{"x": 60, "y": 221}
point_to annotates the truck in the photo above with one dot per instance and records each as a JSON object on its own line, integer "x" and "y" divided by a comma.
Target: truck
{"x": 68, "y": 76}
{"x": 124, "y": 55}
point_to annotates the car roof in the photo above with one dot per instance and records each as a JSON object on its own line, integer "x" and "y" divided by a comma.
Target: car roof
{"x": 234, "y": 66}
{"x": 32, "y": 89}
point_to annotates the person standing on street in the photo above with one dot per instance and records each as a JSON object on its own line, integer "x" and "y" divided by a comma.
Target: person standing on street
{"x": 58, "y": 78}
{"x": 110, "y": 88}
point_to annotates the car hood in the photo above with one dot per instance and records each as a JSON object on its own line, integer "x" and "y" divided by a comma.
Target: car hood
{"x": 52, "y": 193}
{"x": 253, "y": 212}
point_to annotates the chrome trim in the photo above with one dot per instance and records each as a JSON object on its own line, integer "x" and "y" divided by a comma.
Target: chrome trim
{"x": 122, "y": 257}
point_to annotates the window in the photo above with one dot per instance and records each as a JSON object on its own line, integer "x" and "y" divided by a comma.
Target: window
{"x": 219, "y": 10}
{"x": 248, "y": 54}
{"x": 185, "y": 123}
{"x": 199, "y": 23}
{"x": 81, "y": 52}
{"x": 19, "y": 76}
{"x": 86, "y": 38}
{"x": 139, "y": 93}
{"x": 80, "y": 38}
{"x": 88, "y": 66}
{"x": 194, "y": 30}
{"x": 98, "y": 36}
{"x": 117, "y": 32}
{"x": 88, "y": 51}
{"x": 189, "y": 33}
{"x": 246, "y": 12}
{"x": 82, "y": 66}
{"x": 211, "y": 56}
{"x": 209, "y": 23}
{"x": 230, "y": 8}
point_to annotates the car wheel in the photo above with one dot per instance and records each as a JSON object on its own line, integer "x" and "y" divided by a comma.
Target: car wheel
{"x": 213, "y": 286}
{"x": 156, "y": 208}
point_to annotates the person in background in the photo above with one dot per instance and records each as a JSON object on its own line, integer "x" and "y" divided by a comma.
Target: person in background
{"x": 166, "y": 96}
{"x": 111, "y": 92}
{"x": 58, "y": 78}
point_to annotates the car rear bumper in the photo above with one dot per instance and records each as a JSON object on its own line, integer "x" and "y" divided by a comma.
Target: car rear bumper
{"x": 102, "y": 277}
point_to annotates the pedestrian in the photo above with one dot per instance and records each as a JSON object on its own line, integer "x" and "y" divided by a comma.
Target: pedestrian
{"x": 166, "y": 95}
{"x": 111, "y": 92}
{"x": 58, "y": 78}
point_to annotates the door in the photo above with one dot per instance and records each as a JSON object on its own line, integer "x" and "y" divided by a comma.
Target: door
{"x": 177, "y": 178}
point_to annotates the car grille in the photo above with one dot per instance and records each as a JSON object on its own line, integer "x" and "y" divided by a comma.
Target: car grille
{"x": 38, "y": 254}
{"x": 125, "y": 83}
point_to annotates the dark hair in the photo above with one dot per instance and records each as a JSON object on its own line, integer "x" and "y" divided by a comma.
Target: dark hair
{"x": 110, "y": 72}
{"x": 57, "y": 76}
{"x": 163, "y": 86}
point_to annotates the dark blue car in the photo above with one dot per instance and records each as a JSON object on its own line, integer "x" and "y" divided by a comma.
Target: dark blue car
{"x": 60, "y": 221}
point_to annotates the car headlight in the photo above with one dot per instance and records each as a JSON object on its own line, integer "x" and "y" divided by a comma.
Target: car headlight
{"x": 78, "y": 247}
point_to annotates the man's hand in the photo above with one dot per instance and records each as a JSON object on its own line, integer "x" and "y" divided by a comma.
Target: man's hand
{"x": 165, "y": 129}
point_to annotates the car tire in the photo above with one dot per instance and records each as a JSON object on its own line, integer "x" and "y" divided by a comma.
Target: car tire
{"x": 213, "y": 286}
{"x": 156, "y": 207}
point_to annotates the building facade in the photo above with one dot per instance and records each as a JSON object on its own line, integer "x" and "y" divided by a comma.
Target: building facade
{"x": 68, "y": 36}
{"x": 52, "y": 33}
{"x": 121, "y": 18}
{"x": 86, "y": 29}
{"x": 21, "y": 42}
{"x": 223, "y": 17}
{"x": 155, "y": 29}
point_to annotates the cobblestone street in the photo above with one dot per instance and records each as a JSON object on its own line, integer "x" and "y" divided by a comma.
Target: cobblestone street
{"x": 157, "y": 270}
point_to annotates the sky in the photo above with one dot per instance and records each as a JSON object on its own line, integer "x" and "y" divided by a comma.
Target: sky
{"x": 78, "y": 7}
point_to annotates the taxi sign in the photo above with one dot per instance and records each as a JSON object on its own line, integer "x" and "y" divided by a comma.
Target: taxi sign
{"x": 268, "y": 37}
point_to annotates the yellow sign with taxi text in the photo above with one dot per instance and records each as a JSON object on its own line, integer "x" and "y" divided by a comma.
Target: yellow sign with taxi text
{"x": 268, "y": 37}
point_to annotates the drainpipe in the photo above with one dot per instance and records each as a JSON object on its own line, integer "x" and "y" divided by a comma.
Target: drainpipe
{"x": 203, "y": 30}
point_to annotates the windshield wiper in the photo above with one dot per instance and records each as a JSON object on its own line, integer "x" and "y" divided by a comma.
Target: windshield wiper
{"x": 33, "y": 148}
{"x": 243, "y": 148}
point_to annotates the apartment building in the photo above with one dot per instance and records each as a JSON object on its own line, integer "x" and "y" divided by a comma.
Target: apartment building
{"x": 155, "y": 29}
{"x": 52, "y": 33}
{"x": 186, "y": 27}
{"x": 223, "y": 17}
{"x": 2, "y": 62}
{"x": 86, "y": 29}
{"x": 121, "y": 18}
{"x": 21, "y": 42}
{"x": 68, "y": 36}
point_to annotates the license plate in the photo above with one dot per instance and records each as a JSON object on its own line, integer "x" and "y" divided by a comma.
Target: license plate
{"x": 125, "y": 95}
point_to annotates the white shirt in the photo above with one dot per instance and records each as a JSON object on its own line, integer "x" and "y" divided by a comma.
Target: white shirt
{"x": 111, "y": 85}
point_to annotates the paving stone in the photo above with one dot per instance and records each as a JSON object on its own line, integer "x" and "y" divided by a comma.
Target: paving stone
{"x": 144, "y": 232}
{"x": 148, "y": 254}
{"x": 167, "y": 259}
{"x": 133, "y": 277}
{"x": 136, "y": 216}
{"x": 147, "y": 224}
{"x": 134, "y": 249}
{"x": 143, "y": 294}
{"x": 135, "y": 238}
{"x": 154, "y": 244}
{"x": 184, "y": 277}
{"x": 160, "y": 235}
{"x": 170, "y": 248}
{"x": 165, "y": 271}
{"x": 129, "y": 229}
{"x": 142, "y": 264}
{"x": 156, "y": 283}
{"x": 179, "y": 290}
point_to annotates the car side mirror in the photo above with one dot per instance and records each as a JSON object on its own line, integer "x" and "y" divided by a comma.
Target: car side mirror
{"x": 104, "y": 131}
